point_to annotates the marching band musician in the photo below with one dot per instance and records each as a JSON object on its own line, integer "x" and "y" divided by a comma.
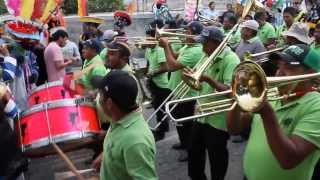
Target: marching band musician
{"x": 188, "y": 56}
{"x": 298, "y": 33}
{"x": 284, "y": 141}
{"x": 121, "y": 20}
{"x": 250, "y": 41}
{"x": 228, "y": 23}
{"x": 288, "y": 17}
{"x": 209, "y": 133}
{"x": 266, "y": 31}
{"x": 129, "y": 147}
{"x": 158, "y": 78}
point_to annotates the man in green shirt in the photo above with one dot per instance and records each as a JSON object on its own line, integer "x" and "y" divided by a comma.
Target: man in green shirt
{"x": 129, "y": 147}
{"x": 316, "y": 44}
{"x": 157, "y": 78}
{"x": 209, "y": 134}
{"x": 228, "y": 23}
{"x": 188, "y": 56}
{"x": 108, "y": 37}
{"x": 266, "y": 31}
{"x": 93, "y": 64}
{"x": 284, "y": 141}
{"x": 288, "y": 17}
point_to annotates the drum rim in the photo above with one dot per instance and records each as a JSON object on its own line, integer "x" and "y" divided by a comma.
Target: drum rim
{"x": 43, "y": 86}
{"x": 57, "y": 139}
{"x": 56, "y": 103}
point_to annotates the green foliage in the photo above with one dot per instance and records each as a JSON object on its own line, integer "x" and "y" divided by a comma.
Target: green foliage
{"x": 71, "y": 6}
{"x": 3, "y": 8}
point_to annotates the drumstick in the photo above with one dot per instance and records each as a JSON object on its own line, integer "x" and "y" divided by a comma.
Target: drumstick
{"x": 68, "y": 161}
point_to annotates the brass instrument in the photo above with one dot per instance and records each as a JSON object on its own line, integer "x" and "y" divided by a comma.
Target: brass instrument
{"x": 179, "y": 92}
{"x": 163, "y": 33}
{"x": 255, "y": 57}
{"x": 249, "y": 89}
{"x": 252, "y": 5}
{"x": 207, "y": 22}
{"x": 143, "y": 43}
{"x": 193, "y": 79}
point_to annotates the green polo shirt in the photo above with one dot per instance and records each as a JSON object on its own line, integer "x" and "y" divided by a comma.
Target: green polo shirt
{"x": 98, "y": 70}
{"x": 315, "y": 46}
{"x": 103, "y": 55}
{"x": 281, "y": 39}
{"x": 156, "y": 57}
{"x": 129, "y": 150}
{"x": 301, "y": 118}
{"x": 266, "y": 32}
{"x": 188, "y": 56}
{"x": 235, "y": 39}
{"x": 221, "y": 71}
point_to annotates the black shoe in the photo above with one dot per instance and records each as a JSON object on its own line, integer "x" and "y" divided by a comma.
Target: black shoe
{"x": 183, "y": 157}
{"x": 178, "y": 146}
{"x": 158, "y": 135}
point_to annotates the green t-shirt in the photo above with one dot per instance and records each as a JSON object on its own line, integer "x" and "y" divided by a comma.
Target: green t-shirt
{"x": 222, "y": 71}
{"x": 235, "y": 39}
{"x": 155, "y": 57}
{"x": 98, "y": 70}
{"x": 281, "y": 39}
{"x": 315, "y": 46}
{"x": 266, "y": 32}
{"x": 188, "y": 56}
{"x": 103, "y": 55}
{"x": 129, "y": 150}
{"x": 301, "y": 118}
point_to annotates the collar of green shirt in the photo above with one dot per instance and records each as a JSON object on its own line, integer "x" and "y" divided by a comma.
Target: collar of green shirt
{"x": 87, "y": 62}
{"x": 129, "y": 119}
{"x": 252, "y": 39}
{"x": 223, "y": 54}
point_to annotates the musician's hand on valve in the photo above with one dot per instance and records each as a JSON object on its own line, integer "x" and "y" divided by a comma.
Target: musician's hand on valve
{"x": 163, "y": 42}
{"x": 187, "y": 71}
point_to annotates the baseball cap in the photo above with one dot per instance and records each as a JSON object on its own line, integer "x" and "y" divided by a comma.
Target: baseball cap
{"x": 251, "y": 24}
{"x": 299, "y": 54}
{"x": 120, "y": 86}
{"x": 210, "y": 33}
{"x": 195, "y": 26}
{"x": 120, "y": 46}
{"x": 94, "y": 44}
{"x": 108, "y": 35}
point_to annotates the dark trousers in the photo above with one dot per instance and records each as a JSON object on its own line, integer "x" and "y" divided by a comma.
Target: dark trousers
{"x": 316, "y": 172}
{"x": 158, "y": 96}
{"x": 184, "y": 129}
{"x": 205, "y": 137}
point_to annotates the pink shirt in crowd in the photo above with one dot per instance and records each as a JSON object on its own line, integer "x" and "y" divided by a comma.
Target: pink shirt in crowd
{"x": 52, "y": 54}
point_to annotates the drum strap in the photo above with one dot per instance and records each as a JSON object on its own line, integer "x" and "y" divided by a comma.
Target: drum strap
{"x": 77, "y": 75}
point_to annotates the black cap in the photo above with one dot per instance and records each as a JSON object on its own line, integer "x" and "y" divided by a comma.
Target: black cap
{"x": 210, "y": 33}
{"x": 299, "y": 54}
{"x": 195, "y": 26}
{"x": 122, "y": 47}
{"x": 93, "y": 44}
{"x": 120, "y": 86}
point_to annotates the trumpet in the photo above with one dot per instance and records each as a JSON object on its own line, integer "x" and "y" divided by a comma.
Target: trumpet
{"x": 193, "y": 79}
{"x": 249, "y": 89}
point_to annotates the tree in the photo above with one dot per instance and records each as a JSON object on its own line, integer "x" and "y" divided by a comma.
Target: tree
{"x": 3, "y": 8}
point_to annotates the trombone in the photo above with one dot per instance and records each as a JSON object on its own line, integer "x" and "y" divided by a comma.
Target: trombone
{"x": 193, "y": 79}
{"x": 146, "y": 42}
{"x": 249, "y": 89}
{"x": 177, "y": 93}
{"x": 254, "y": 57}
{"x": 164, "y": 33}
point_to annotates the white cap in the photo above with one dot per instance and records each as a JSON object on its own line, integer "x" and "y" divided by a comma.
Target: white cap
{"x": 251, "y": 24}
{"x": 108, "y": 35}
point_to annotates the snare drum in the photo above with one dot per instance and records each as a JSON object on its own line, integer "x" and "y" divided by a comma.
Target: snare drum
{"x": 48, "y": 92}
{"x": 71, "y": 122}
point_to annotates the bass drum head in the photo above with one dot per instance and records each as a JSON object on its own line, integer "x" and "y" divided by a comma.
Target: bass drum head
{"x": 73, "y": 125}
